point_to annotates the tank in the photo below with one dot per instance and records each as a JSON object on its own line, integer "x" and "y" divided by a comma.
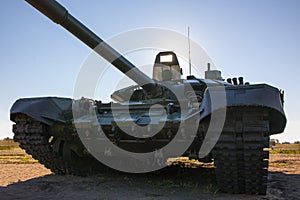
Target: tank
{"x": 207, "y": 119}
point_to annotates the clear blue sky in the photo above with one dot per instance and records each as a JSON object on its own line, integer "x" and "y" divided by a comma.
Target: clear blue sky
{"x": 257, "y": 39}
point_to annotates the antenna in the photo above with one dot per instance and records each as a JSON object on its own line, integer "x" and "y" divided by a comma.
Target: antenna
{"x": 190, "y": 64}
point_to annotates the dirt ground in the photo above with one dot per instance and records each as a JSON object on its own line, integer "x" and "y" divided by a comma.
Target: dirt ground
{"x": 31, "y": 180}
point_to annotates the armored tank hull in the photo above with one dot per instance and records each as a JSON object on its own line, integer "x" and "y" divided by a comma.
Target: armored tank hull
{"x": 46, "y": 129}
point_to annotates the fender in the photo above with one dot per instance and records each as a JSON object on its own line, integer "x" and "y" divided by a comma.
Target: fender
{"x": 44, "y": 109}
{"x": 259, "y": 95}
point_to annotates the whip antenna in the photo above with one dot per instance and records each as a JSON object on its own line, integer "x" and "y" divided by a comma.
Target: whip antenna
{"x": 190, "y": 64}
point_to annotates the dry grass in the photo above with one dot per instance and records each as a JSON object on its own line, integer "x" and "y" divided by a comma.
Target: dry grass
{"x": 8, "y": 143}
{"x": 11, "y": 153}
{"x": 6, "y": 147}
{"x": 285, "y": 149}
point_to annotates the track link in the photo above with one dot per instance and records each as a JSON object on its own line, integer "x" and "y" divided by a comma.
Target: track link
{"x": 34, "y": 138}
{"x": 240, "y": 157}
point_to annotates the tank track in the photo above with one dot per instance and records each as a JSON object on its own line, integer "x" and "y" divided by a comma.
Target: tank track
{"x": 34, "y": 138}
{"x": 240, "y": 157}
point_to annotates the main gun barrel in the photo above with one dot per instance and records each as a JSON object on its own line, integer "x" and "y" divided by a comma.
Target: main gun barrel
{"x": 57, "y": 13}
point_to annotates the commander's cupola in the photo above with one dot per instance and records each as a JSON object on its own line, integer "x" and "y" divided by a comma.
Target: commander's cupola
{"x": 166, "y": 67}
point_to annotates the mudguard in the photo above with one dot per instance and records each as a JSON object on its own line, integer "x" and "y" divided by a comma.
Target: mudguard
{"x": 44, "y": 109}
{"x": 260, "y": 95}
